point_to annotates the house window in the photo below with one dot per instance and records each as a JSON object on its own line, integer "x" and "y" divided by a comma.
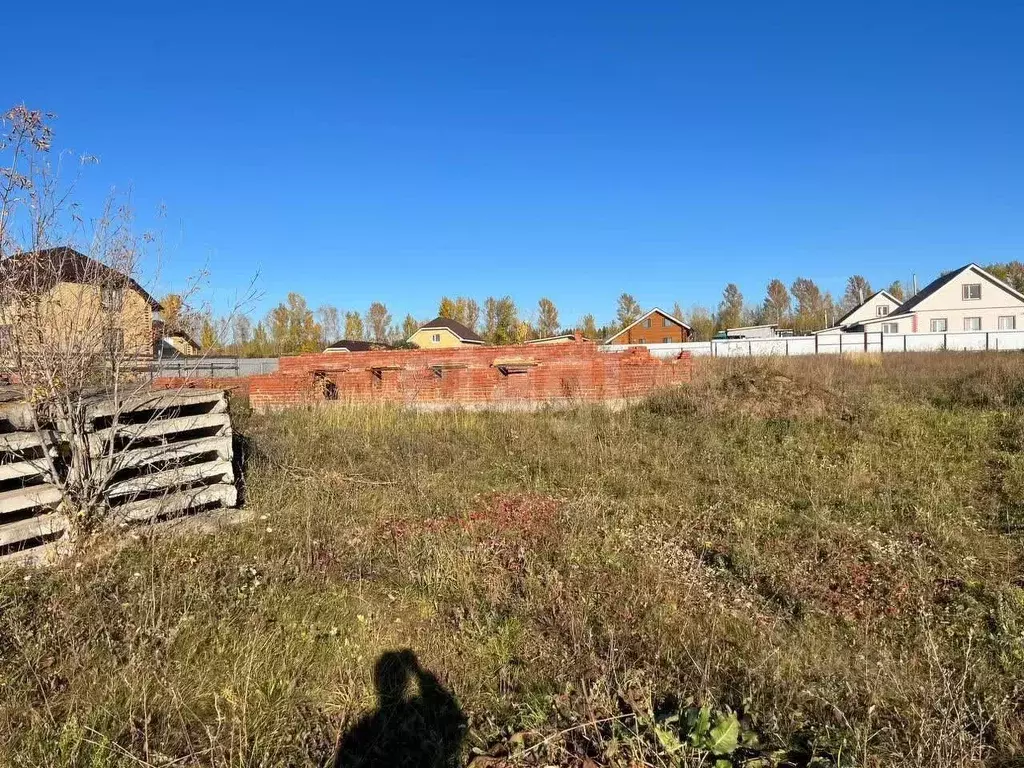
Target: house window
{"x": 641, "y": 340}
{"x": 665, "y": 322}
{"x": 972, "y": 291}
{"x": 890, "y": 327}
{"x": 111, "y": 299}
{"x": 939, "y": 325}
{"x": 1007, "y": 323}
{"x": 972, "y": 323}
{"x": 666, "y": 340}
{"x": 436, "y": 338}
{"x": 882, "y": 311}
{"x": 113, "y": 341}
{"x": 647, "y": 323}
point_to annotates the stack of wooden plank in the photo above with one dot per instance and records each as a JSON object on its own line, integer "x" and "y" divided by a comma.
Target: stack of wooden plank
{"x": 170, "y": 452}
{"x": 28, "y": 496}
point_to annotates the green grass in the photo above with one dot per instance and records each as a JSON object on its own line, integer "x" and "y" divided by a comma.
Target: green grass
{"x": 827, "y": 548}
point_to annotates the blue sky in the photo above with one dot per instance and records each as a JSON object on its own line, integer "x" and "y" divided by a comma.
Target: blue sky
{"x": 398, "y": 151}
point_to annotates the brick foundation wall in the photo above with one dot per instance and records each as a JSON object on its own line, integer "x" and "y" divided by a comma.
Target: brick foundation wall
{"x": 472, "y": 376}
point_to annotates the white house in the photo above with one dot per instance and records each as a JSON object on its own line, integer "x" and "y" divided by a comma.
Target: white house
{"x": 966, "y": 299}
{"x": 877, "y": 305}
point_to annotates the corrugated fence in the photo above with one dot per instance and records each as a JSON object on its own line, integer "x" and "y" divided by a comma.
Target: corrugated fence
{"x": 836, "y": 343}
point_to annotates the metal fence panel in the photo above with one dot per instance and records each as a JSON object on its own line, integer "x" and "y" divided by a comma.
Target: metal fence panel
{"x": 836, "y": 343}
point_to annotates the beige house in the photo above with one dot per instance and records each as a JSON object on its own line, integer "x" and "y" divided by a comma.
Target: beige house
{"x": 442, "y": 332}
{"x": 877, "y": 306}
{"x": 966, "y": 299}
{"x": 69, "y": 302}
{"x": 177, "y": 344}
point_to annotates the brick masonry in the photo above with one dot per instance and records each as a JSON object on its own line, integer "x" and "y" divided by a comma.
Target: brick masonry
{"x": 514, "y": 376}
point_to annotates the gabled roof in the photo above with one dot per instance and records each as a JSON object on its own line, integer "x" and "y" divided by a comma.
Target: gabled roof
{"x": 910, "y": 305}
{"x": 41, "y": 270}
{"x": 179, "y": 334}
{"x": 464, "y": 333}
{"x": 869, "y": 299}
{"x": 570, "y": 336}
{"x": 643, "y": 317}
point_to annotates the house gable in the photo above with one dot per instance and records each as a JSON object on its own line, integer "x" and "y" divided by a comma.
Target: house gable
{"x": 877, "y": 306}
{"x": 655, "y": 333}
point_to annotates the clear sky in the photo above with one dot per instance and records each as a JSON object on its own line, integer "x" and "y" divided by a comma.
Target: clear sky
{"x": 398, "y": 151}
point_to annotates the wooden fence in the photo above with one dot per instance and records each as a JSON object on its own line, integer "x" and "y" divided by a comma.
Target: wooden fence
{"x": 169, "y": 453}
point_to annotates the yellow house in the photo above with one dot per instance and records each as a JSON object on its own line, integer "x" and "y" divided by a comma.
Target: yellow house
{"x": 442, "y": 332}
{"x": 71, "y": 303}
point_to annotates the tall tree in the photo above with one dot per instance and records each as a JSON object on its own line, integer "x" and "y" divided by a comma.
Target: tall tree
{"x": 629, "y": 310}
{"x": 467, "y": 312}
{"x": 1010, "y": 272}
{"x": 587, "y": 327}
{"x": 353, "y": 326}
{"x": 241, "y": 331}
{"x": 677, "y": 311}
{"x": 811, "y": 309}
{"x": 260, "y": 346}
{"x": 776, "y": 301}
{"x": 730, "y": 310}
{"x": 378, "y": 319}
{"x": 808, "y": 296}
{"x": 172, "y": 307}
{"x": 409, "y": 326}
{"x": 208, "y": 336}
{"x": 896, "y": 289}
{"x": 505, "y": 317}
{"x": 330, "y": 325}
{"x": 447, "y": 309}
{"x": 857, "y": 291}
{"x": 490, "y": 317}
{"x": 547, "y": 318}
{"x": 702, "y": 323}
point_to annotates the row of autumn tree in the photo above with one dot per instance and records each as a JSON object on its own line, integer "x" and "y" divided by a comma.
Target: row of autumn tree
{"x": 294, "y": 327}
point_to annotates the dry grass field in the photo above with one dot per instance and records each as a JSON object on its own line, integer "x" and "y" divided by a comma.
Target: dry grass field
{"x": 807, "y": 562}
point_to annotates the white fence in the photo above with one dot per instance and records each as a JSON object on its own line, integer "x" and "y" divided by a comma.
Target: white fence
{"x": 836, "y": 343}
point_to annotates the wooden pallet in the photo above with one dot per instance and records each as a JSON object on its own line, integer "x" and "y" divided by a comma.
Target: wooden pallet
{"x": 171, "y": 452}
{"x": 28, "y": 496}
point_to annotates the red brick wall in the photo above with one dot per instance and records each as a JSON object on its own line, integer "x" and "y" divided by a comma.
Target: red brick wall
{"x": 465, "y": 375}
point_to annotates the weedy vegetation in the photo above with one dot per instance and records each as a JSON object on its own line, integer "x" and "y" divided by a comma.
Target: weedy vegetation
{"x": 795, "y": 562}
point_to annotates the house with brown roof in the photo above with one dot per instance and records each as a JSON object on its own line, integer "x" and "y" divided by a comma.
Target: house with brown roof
{"x": 61, "y": 298}
{"x": 356, "y": 345}
{"x": 653, "y": 327}
{"x": 444, "y": 332}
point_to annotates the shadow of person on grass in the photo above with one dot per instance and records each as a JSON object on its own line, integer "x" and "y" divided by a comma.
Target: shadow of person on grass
{"x": 420, "y": 731}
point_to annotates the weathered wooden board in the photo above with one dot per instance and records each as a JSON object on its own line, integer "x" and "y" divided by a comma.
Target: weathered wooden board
{"x": 31, "y": 528}
{"x": 21, "y": 499}
{"x": 161, "y": 428}
{"x": 170, "y": 478}
{"x": 20, "y": 469}
{"x": 16, "y": 442}
{"x": 223, "y": 493}
{"x": 161, "y": 401}
{"x": 221, "y": 445}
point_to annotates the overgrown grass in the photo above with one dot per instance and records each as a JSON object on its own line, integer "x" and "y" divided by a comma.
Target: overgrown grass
{"x": 827, "y": 548}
